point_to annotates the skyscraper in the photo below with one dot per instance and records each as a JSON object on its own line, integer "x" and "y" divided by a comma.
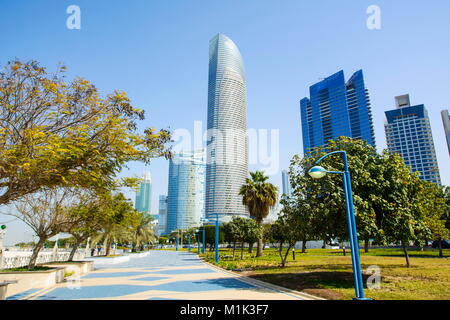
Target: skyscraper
{"x": 162, "y": 213}
{"x": 446, "y": 121}
{"x": 186, "y": 191}
{"x": 227, "y": 158}
{"x": 408, "y": 133}
{"x": 336, "y": 108}
{"x": 144, "y": 194}
{"x": 286, "y": 184}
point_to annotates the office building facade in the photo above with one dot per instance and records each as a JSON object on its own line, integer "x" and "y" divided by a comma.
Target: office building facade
{"x": 144, "y": 194}
{"x": 227, "y": 158}
{"x": 162, "y": 215}
{"x": 408, "y": 133}
{"x": 336, "y": 108}
{"x": 286, "y": 184}
{"x": 186, "y": 191}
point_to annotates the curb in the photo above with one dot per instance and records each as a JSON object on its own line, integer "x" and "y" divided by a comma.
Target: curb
{"x": 297, "y": 294}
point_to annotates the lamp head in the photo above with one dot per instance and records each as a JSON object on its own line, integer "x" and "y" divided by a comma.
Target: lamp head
{"x": 317, "y": 172}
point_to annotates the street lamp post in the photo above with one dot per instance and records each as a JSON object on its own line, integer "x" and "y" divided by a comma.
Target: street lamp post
{"x": 217, "y": 238}
{"x": 189, "y": 242}
{"x": 318, "y": 172}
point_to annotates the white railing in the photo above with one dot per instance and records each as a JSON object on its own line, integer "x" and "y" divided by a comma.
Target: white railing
{"x": 18, "y": 261}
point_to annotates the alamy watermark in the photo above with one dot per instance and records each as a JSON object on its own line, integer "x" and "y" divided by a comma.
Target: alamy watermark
{"x": 374, "y": 19}
{"x": 73, "y": 21}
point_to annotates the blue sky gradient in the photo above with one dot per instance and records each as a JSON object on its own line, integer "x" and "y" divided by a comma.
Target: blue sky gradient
{"x": 157, "y": 51}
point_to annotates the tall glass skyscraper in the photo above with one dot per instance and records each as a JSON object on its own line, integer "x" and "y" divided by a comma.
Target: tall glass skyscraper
{"x": 144, "y": 194}
{"x": 336, "y": 108}
{"x": 408, "y": 133}
{"x": 446, "y": 122}
{"x": 227, "y": 158}
{"x": 186, "y": 190}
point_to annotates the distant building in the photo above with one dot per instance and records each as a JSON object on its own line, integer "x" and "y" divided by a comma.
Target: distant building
{"x": 144, "y": 194}
{"x": 162, "y": 213}
{"x": 336, "y": 108}
{"x": 186, "y": 190}
{"x": 286, "y": 184}
{"x": 408, "y": 133}
{"x": 446, "y": 121}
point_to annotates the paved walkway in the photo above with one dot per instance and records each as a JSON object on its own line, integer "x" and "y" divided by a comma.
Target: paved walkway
{"x": 162, "y": 275}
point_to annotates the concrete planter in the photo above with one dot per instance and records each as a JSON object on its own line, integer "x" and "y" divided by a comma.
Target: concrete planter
{"x": 109, "y": 260}
{"x": 32, "y": 279}
{"x": 78, "y": 268}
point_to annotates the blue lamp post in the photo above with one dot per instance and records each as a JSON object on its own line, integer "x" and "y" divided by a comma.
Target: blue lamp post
{"x": 189, "y": 242}
{"x": 204, "y": 238}
{"x": 318, "y": 172}
{"x": 217, "y": 238}
{"x": 197, "y": 237}
{"x": 176, "y": 239}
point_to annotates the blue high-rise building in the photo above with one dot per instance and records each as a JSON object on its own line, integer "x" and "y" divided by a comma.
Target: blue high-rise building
{"x": 336, "y": 108}
{"x": 408, "y": 133}
{"x": 162, "y": 215}
{"x": 186, "y": 190}
{"x": 144, "y": 194}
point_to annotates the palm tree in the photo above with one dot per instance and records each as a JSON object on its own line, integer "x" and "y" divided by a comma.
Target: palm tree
{"x": 143, "y": 232}
{"x": 259, "y": 196}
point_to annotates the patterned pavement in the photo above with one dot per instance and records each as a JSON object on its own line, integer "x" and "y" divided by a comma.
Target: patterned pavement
{"x": 162, "y": 275}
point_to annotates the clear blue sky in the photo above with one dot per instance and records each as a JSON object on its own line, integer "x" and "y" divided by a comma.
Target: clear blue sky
{"x": 157, "y": 51}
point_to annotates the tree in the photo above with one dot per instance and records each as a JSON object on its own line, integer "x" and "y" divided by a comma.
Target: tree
{"x": 259, "y": 196}
{"x": 402, "y": 215}
{"x": 435, "y": 211}
{"x": 284, "y": 231}
{"x": 121, "y": 219}
{"x": 44, "y": 213}
{"x": 58, "y": 133}
{"x": 90, "y": 215}
{"x": 143, "y": 232}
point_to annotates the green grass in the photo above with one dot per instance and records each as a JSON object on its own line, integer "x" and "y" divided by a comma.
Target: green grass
{"x": 327, "y": 273}
{"x": 21, "y": 269}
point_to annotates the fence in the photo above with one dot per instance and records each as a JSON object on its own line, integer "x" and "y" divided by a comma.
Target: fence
{"x": 44, "y": 257}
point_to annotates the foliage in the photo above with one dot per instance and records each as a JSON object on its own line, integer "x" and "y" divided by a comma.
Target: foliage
{"x": 59, "y": 133}
{"x": 259, "y": 196}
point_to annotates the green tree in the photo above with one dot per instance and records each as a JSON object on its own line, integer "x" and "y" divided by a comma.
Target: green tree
{"x": 142, "y": 232}
{"x": 259, "y": 196}
{"x": 58, "y": 133}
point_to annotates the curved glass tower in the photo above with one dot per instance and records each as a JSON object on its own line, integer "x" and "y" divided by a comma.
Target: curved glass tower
{"x": 227, "y": 158}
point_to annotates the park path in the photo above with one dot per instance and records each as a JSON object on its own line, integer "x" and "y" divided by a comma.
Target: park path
{"x": 162, "y": 275}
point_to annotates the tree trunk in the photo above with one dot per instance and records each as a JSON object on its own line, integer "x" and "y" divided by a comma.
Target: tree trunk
{"x": 405, "y": 251}
{"x": 440, "y": 249}
{"x": 242, "y": 250}
{"x": 343, "y": 248}
{"x": 35, "y": 253}
{"x": 283, "y": 263}
{"x": 324, "y": 244}
{"x": 366, "y": 245}
{"x": 234, "y": 248}
{"x": 74, "y": 249}
{"x": 108, "y": 246}
{"x": 304, "y": 246}
{"x": 259, "y": 248}
{"x": 250, "y": 248}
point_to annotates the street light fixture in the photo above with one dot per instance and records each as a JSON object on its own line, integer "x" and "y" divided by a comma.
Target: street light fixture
{"x": 318, "y": 172}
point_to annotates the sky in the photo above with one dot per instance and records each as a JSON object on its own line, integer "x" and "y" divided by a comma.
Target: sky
{"x": 157, "y": 52}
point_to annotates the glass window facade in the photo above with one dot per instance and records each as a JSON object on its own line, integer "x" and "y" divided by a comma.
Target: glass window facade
{"x": 186, "y": 190}
{"x": 408, "y": 133}
{"x": 336, "y": 108}
{"x": 227, "y": 158}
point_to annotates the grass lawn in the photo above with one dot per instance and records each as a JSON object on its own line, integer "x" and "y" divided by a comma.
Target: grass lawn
{"x": 327, "y": 273}
{"x": 21, "y": 269}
